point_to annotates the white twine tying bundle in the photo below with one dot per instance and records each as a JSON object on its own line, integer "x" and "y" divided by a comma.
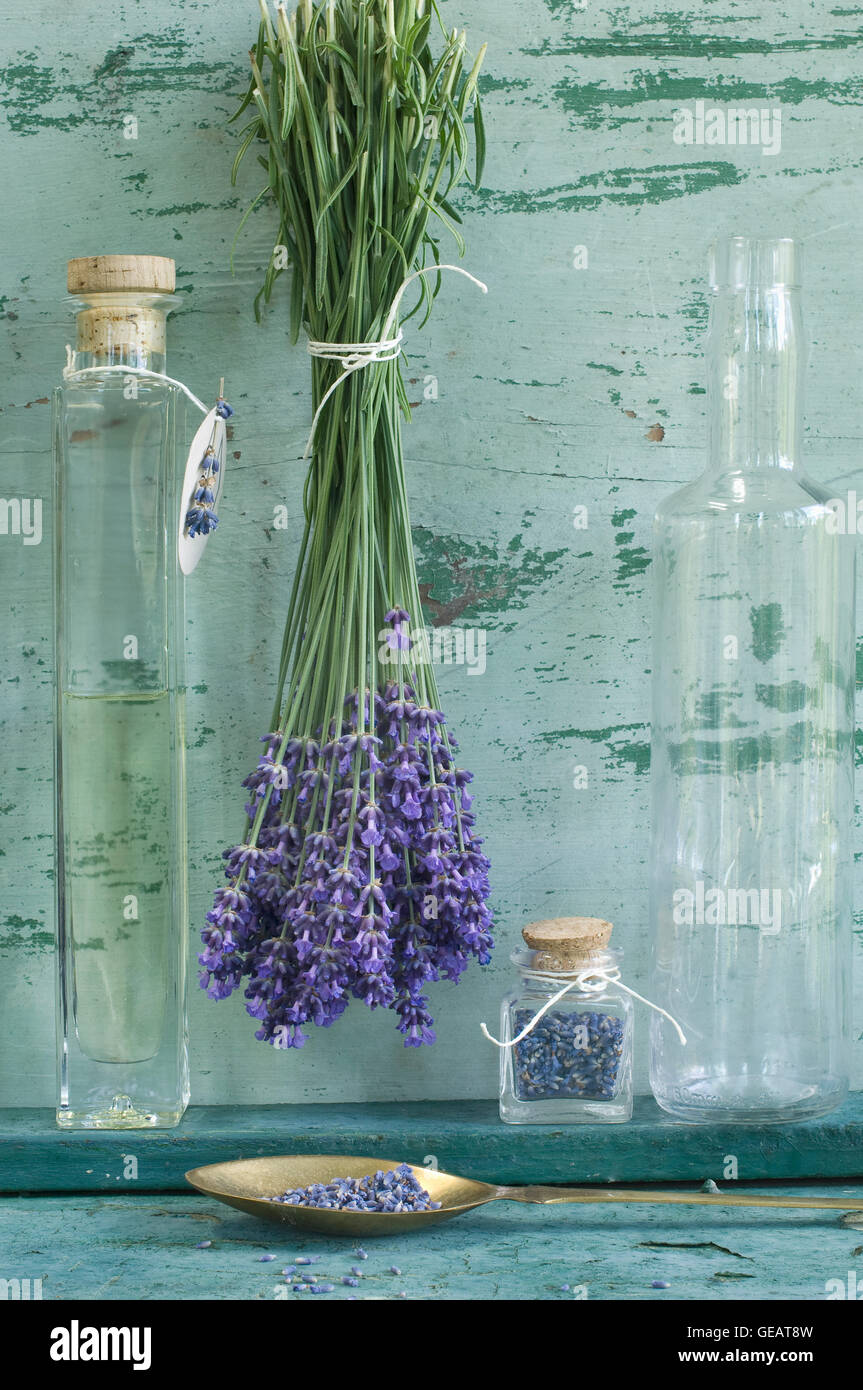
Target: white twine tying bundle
{"x": 353, "y": 356}
{"x": 590, "y": 979}
{"x": 71, "y": 370}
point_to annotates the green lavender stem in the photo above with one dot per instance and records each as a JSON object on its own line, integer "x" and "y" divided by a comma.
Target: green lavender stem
{"x": 364, "y": 137}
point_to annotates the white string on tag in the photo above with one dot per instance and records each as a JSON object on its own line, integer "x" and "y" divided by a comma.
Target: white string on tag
{"x": 204, "y": 472}
{"x": 353, "y": 356}
{"x": 590, "y": 980}
{"x": 71, "y": 370}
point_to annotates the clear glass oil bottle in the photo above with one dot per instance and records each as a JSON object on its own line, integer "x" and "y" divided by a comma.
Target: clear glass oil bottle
{"x": 753, "y": 735}
{"x": 120, "y": 741}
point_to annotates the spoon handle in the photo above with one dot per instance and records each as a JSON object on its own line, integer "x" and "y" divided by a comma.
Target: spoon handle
{"x": 549, "y": 1196}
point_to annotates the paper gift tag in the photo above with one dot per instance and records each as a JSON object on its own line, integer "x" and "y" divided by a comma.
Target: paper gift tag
{"x": 211, "y": 434}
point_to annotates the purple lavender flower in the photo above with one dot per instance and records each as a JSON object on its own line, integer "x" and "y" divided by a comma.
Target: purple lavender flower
{"x": 364, "y": 878}
{"x": 200, "y": 521}
{"x": 399, "y": 638}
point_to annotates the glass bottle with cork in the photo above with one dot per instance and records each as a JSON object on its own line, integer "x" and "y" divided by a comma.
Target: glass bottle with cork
{"x": 567, "y": 1059}
{"x": 121, "y": 865}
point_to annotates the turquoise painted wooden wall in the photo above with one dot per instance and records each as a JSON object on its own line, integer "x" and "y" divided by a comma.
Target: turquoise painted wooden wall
{"x": 571, "y": 385}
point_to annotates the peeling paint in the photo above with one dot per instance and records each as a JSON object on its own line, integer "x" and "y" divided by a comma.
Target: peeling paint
{"x": 632, "y": 560}
{"x": 627, "y": 187}
{"x": 768, "y": 631}
{"x": 595, "y": 104}
{"x": 38, "y": 97}
{"x": 623, "y": 752}
{"x": 463, "y": 579}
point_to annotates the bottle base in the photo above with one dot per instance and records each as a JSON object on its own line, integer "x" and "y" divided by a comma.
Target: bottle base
{"x": 754, "y": 1100}
{"x": 556, "y": 1112}
{"x": 120, "y": 1113}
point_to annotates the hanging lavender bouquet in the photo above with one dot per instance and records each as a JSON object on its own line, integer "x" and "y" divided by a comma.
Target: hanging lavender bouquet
{"x": 359, "y": 875}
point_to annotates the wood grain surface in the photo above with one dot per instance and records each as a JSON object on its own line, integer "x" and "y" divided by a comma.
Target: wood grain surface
{"x": 463, "y": 1137}
{"x": 141, "y": 1247}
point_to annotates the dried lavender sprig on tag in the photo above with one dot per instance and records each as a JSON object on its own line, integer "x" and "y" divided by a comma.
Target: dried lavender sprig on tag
{"x": 359, "y": 874}
{"x": 201, "y": 517}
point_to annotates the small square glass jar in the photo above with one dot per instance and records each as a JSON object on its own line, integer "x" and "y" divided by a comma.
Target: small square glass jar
{"x": 575, "y": 1065}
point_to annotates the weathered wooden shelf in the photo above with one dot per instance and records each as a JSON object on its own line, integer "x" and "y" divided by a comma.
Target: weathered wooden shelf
{"x": 460, "y": 1136}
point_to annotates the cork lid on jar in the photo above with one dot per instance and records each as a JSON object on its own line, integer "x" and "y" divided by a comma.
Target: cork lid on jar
{"x": 565, "y": 943}
{"x": 113, "y": 274}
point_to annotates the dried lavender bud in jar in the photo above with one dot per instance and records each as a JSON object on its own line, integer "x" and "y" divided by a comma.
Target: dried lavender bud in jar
{"x": 568, "y": 1055}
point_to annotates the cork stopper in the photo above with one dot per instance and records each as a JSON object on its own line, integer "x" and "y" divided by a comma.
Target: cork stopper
{"x": 122, "y": 323}
{"x": 565, "y": 943}
{"x": 113, "y": 274}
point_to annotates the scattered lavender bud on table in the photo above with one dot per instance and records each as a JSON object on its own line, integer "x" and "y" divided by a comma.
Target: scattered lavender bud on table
{"x": 203, "y": 1245}
{"x": 321, "y": 1288}
{"x": 360, "y": 1253}
{"x": 351, "y": 1283}
{"x": 564, "y": 1288}
{"x": 660, "y": 1284}
{"x": 574, "y": 1055}
{"x": 355, "y": 1270}
{"x": 265, "y": 1259}
{"x": 394, "y": 1269}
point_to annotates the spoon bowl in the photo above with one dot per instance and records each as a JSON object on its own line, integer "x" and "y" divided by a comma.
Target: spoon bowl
{"x": 250, "y": 1184}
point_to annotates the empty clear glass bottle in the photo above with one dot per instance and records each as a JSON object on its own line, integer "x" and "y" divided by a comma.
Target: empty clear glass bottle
{"x": 120, "y": 741}
{"x": 753, "y": 734}
{"x": 575, "y": 1064}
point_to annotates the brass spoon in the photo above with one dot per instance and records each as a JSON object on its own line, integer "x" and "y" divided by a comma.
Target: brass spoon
{"x": 251, "y": 1183}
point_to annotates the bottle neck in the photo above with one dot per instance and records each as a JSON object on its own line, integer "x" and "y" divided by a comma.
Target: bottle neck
{"x": 757, "y": 357}
{"x": 122, "y": 330}
{"x": 559, "y": 970}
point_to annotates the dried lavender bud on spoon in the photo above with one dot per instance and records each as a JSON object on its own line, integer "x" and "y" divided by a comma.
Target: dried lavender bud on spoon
{"x": 394, "y": 1190}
